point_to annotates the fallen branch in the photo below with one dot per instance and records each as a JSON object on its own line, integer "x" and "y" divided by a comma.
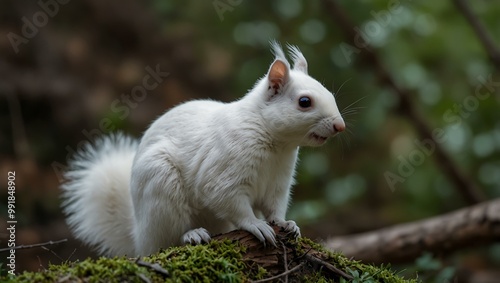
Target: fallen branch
{"x": 476, "y": 225}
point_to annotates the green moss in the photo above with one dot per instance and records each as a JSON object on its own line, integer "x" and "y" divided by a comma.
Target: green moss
{"x": 317, "y": 277}
{"x": 100, "y": 270}
{"x": 218, "y": 261}
{"x": 356, "y": 268}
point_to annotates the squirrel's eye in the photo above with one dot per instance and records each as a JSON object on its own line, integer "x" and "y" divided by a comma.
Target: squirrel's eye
{"x": 305, "y": 102}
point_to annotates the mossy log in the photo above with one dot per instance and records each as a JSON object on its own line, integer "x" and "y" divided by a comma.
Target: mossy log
{"x": 236, "y": 256}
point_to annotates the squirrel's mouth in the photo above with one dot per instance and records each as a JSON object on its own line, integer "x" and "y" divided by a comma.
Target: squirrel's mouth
{"x": 318, "y": 138}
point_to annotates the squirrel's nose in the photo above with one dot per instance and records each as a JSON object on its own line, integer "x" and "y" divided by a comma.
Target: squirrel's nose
{"x": 338, "y": 125}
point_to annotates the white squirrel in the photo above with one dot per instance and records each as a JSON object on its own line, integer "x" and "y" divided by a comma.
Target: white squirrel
{"x": 202, "y": 168}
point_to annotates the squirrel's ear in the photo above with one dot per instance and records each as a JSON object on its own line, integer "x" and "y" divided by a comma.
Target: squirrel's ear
{"x": 278, "y": 76}
{"x": 299, "y": 61}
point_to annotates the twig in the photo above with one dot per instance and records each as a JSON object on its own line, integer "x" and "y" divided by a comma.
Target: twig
{"x": 52, "y": 252}
{"x": 464, "y": 185}
{"x": 40, "y": 263}
{"x": 34, "y": 245}
{"x": 71, "y": 255}
{"x": 286, "y": 273}
{"x": 328, "y": 266}
{"x": 285, "y": 261}
{"x": 64, "y": 279}
{"x": 302, "y": 256}
{"x": 144, "y": 278}
{"x": 480, "y": 31}
{"x": 153, "y": 266}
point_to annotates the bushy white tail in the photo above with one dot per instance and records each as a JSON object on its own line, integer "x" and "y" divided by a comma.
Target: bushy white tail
{"x": 96, "y": 195}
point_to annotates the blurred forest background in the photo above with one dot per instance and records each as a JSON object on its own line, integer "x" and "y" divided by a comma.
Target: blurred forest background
{"x": 400, "y": 70}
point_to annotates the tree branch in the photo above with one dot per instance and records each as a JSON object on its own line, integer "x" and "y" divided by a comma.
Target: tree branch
{"x": 464, "y": 185}
{"x": 480, "y": 31}
{"x": 479, "y": 224}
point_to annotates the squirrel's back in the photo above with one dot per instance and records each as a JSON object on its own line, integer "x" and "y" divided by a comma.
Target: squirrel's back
{"x": 186, "y": 120}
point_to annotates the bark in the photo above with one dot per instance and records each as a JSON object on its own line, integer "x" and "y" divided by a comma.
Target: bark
{"x": 475, "y": 225}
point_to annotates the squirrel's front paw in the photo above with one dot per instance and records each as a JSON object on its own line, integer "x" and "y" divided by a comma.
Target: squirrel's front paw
{"x": 196, "y": 236}
{"x": 289, "y": 226}
{"x": 261, "y": 230}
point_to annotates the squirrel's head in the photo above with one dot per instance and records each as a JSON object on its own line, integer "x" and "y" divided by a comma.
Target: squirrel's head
{"x": 298, "y": 108}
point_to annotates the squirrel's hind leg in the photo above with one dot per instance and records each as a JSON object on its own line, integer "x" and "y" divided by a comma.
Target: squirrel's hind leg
{"x": 163, "y": 213}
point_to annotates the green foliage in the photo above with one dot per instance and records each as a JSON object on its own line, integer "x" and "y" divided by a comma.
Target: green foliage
{"x": 431, "y": 269}
{"x": 365, "y": 277}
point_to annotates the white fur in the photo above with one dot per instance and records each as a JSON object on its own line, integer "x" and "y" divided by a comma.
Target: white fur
{"x": 202, "y": 168}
